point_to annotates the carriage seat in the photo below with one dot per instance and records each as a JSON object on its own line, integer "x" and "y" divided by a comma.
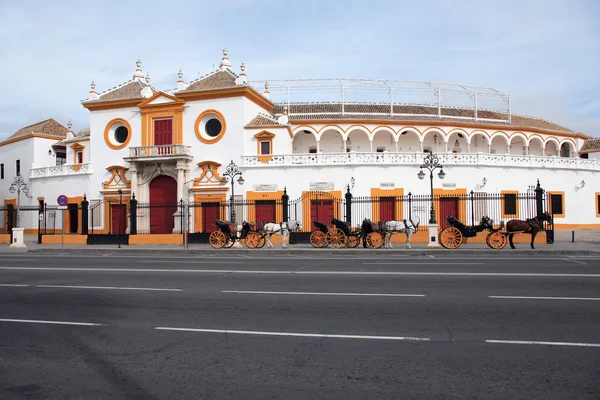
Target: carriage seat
{"x": 455, "y": 223}
{"x": 339, "y": 224}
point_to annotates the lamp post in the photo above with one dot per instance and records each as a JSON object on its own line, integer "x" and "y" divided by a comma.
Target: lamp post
{"x": 232, "y": 171}
{"x": 120, "y": 215}
{"x": 431, "y": 162}
{"x": 19, "y": 186}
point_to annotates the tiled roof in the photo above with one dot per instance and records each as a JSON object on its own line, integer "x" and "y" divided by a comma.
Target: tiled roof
{"x": 215, "y": 80}
{"x": 590, "y": 145}
{"x": 48, "y": 127}
{"x": 263, "y": 120}
{"x": 370, "y": 111}
{"x": 82, "y": 133}
{"x": 129, "y": 90}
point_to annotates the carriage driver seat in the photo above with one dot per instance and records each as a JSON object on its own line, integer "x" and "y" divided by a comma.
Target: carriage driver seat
{"x": 455, "y": 223}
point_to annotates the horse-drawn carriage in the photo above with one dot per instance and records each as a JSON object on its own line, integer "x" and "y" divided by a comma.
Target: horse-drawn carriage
{"x": 452, "y": 237}
{"x": 227, "y": 235}
{"x": 342, "y": 234}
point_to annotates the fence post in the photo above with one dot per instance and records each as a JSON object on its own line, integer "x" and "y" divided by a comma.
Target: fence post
{"x": 181, "y": 211}
{"x": 133, "y": 215}
{"x": 539, "y": 199}
{"x": 84, "y": 215}
{"x": 348, "y": 206}
{"x": 10, "y": 220}
{"x": 40, "y": 216}
{"x": 284, "y": 203}
{"x": 410, "y": 206}
{"x": 472, "y": 208}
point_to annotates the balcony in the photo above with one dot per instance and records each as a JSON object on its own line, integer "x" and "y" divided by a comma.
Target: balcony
{"x": 161, "y": 152}
{"x": 389, "y": 158}
{"x": 61, "y": 170}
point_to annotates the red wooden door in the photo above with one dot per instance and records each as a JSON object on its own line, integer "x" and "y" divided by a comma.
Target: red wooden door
{"x": 448, "y": 206}
{"x": 265, "y": 212}
{"x": 163, "y": 132}
{"x": 322, "y": 211}
{"x": 387, "y": 209}
{"x": 163, "y": 204}
{"x": 117, "y": 218}
{"x": 210, "y": 213}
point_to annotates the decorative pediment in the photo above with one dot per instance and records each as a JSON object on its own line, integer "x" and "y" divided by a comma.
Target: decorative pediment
{"x": 161, "y": 99}
{"x": 209, "y": 176}
{"x": 264, "y": 135}
{"x": 117, "y": 179}
{"x": 77, "y": 146}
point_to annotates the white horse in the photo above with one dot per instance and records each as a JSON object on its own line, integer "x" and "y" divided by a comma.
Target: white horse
{"x": 280, "y": 229}
{"x": 408, "y": 226}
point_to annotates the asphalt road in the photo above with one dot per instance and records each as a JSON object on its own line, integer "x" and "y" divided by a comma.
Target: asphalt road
{"x": 97, "y": 327}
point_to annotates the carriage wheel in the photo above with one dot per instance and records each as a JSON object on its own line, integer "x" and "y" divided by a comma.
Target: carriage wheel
{"x": 336, "y": 238}
{"x": 352, "y": 241}
{"x": 252, "y": 240}
{"x": 261, "y": 242}
{"x": 451, "y": 238}
{"x": 217, "y": 239}
{"x": 496, "y": 240}
{"x": 374, "y": 240}
{"x": 229, "y": 242}
{"x": 318, "y": 239}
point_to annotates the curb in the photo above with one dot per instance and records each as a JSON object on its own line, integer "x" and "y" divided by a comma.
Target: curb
{"x": 314, "y": 252}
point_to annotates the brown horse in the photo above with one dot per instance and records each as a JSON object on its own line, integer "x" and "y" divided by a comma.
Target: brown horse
{"x": 531, "y": 226}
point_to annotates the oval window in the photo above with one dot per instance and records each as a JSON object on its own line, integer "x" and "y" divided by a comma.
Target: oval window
{"x": 121, "y": 134}
{"x": 213, "y": 127}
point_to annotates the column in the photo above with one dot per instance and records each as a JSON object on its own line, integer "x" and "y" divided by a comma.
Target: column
{"x": 180, "y": 183}
{"x": 134, "y": 178}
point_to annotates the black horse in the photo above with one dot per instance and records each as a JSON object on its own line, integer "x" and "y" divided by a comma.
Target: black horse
{"x": 531, "y": 226}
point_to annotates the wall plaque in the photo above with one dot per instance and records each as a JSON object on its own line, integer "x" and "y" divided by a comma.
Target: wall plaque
{"x": 387, "y": 185}
{"x": 448, "y": 186}
{"x": 320, "y": 186}
{"x": 266, "y": 187}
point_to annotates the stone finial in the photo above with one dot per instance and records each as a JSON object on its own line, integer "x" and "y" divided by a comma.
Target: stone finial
{"x": 284, "y": 119}
{"x": 180, "y": 82}
{"x": 147, "y": 79}
{"x": 147, "y": 90}
{"x": 93, "y": 95}
{"x": 225, "y": 63}
{"x": 138, "y": 75}
{"x": 285, "y": 110}
{"x": 266, "y": 93}
{"x": 69, "y": 124}
{"x": 242, "y": 79}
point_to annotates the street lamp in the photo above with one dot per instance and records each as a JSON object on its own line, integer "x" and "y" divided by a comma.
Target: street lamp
{"x": 120, "y": 215}
{"x": 232, "y": 171}
{"x": 431, "y": 162}
{"x": 19, "y": 186}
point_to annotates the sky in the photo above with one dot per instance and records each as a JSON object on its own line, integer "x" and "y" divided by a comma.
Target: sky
{"x": 545, "y": 54}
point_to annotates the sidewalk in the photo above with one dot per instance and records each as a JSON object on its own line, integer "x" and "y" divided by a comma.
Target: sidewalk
{"x": 587, "y": 242}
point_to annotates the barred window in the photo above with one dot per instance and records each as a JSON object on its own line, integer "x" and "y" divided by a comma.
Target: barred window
{"x": 510, "y": 203}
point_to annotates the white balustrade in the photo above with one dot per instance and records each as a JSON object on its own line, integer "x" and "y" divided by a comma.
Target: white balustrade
{"x": 165, "y": 150}
{"x": 61, "y": 170}
{"x": 390, "y": 158}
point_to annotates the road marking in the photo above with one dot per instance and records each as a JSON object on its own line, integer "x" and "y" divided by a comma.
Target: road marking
{"x": 33, "y": 321}
{"x": 12, "y": 285}
{"x": 294, "y": 334}
{"x": 109, "y": 288}
{"x": 18, "y": 259}
{"x": 293, "y": 272}
{"x": 422, "y": 263}
{"x": 194, "y": 262}
{"x": 545, "y": 298}
{"x": 574, "y": 261}
{"x": 324, "y": 294}
{"x": 544, "y": 343}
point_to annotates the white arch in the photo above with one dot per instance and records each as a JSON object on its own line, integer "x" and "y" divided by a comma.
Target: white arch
{"x": 521, "y": 135}
{"x": 334, "y": 128}
{"x": 305, "y": 128}
{"x": 553, "y": 140}
{"x": 453, "y": 132}
{"x": 385, "y": 129}
{"x": 500, "y": 134}
{"x": 434, "y": 131}
{"x": 488, "y": 140}
{"x": 572, "y": 148}
{"x": 538, "y": 138}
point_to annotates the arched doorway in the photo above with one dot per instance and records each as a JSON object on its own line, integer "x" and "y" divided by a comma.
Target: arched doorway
{"x": 163, "y": 204}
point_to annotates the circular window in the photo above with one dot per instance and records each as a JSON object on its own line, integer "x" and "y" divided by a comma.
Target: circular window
{"x": 213, "y": 127}
{"x": 121, "y": 134}
{"x": 117, "y": 134}
{"x": 210, "y": 126}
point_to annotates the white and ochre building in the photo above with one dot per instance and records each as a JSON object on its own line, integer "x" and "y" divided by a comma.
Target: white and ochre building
{"x": 305, "y": 135}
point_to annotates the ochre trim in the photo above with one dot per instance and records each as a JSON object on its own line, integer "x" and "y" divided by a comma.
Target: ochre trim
{"x": 118, "y": 175}
{"x": 163, "y": 238}
{"x": 502, "y": 193}
{"x": 396, "y": 193}
{"x": 264, "y": 136}
{"x": 550, "y": 193}
{"x": 204, "y": 178}
{"x": 252, "y": 197}
{"x": 69, "y": 239}
{"x": 147, "y": 103}
{"x": 111, "y": 105}
{"x": 597, "y": 204}
{"x": 197, "y": 126}
{"x": 335, "y": 195}
{"x": 227, "y": 93}
{"x": 107, "y": 214}
{"x": 107, "y": 132}
{"x": 66, "y": 214}
{"x": 34, "y": 135}
{"x": 77, "y": 148}
{"x": 207, "y": 198}
{"x": 459, "y": 193}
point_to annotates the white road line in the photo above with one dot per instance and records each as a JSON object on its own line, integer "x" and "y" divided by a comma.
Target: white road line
{"x": 33, "y": 321}
{"x": 324, "y": 294}
{"x": 545, "y": 298}
{"x": 295, "y": 334}
{"x": 544, "y": 343}
{"x": 422, "y": 263}
{"x": 192, "y": 262}
{"x": 12, "y": 285}
{"x": 574, "y": 261}
{"x": 109, "y": 288}
{"x": 293, "y": 272}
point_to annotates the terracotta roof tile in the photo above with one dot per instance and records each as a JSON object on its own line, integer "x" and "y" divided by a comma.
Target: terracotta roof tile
{"x": 590, "y": 145}
{"x": 48, "y": 127}
{"x": 215, "y": 80}
{"x": 82, "y": 133}
{"x": 366, "y": 111}
{"x": 263, "y": 120}
{"x": 129, "y": 90}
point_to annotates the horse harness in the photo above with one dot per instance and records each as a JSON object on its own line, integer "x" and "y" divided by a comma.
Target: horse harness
{"x": 535, "y": 223}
